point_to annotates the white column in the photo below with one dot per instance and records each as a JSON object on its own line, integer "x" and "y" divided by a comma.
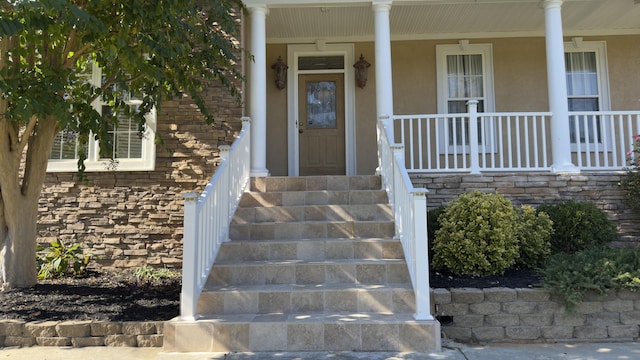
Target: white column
{"x": 557, "y": 83}
{"x": 258, "y": 91}
{"x": 384, "y": 84}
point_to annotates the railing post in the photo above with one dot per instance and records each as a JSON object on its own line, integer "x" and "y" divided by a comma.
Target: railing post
{"x": 188, "y": 300}
{"x": 225, "y": 151}
{"x": 474, "y": 153}
{"x": 422, "y": 290}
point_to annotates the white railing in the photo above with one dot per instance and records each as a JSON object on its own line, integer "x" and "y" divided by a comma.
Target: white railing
{"x": 207, "y": 217}
{"x": 512, "y": 141}
{"x": 604, "y": 137}
{"x": 410, "y": 213}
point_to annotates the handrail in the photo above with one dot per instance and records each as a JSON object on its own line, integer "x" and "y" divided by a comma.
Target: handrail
{"x": 513, "y": 141}
{"x": 410, "y": 213}
{"x": 207, "y": 217}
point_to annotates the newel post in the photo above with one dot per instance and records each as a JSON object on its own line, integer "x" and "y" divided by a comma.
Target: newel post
{"x": 474, "y": 149}
{"x": 189, "y": 258}
{"x": 421, "y": 261}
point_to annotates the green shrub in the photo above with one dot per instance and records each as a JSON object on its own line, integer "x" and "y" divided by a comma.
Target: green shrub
{"x": 59, "y": 260}
{"x": 477, "y": 235}
{"x": 598, "y": 269}
{"x": 433, "y": 225}
{"x": 578, "y": 225}
{"x": 630, "y": 181}
{"x": 150, "y": 274}
{"x": 535, "y": 229}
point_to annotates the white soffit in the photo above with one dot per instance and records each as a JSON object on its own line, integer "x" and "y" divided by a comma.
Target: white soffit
{"x": 306, "y": 20}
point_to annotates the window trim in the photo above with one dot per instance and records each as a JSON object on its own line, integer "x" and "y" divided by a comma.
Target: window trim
{"x": 604, "y": 96}
{"x": 94, "y": 163}
{"x": 463, "y": 48}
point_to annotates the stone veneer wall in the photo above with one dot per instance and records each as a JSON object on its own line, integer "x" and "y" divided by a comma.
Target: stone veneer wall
{"x": 538, "y": 188}
{"x": 81, "y": 333}
{"x": 128, "y": 219}
{"x": 532, "y": 315}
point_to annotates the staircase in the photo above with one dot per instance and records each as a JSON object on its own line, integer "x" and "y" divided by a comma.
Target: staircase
{"x": 311, "y": 266}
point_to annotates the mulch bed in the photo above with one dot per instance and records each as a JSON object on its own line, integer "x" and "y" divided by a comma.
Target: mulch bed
{"x": 118, "y": 296}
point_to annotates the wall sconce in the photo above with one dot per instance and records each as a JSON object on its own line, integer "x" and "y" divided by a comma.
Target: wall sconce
{"x": 280, "y": 72}
{"x": 362, "y": 67}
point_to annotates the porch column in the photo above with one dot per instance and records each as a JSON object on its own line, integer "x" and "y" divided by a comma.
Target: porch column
{"x": 384, "y": 85}
{"x": 258, "y": 91}
{"x": 557, "y": 83}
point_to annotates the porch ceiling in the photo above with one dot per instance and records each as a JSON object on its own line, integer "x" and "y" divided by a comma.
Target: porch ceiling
{"x": 307, "y": 20}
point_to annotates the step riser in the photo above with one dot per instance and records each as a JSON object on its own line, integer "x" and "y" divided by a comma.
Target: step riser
{"x": 354, "y": 300}
{"x": 312, "y": 230}
{"x": 309, "y": 250}
{"x": 311, "y": 183}
{"x": 374, "y": 212}
{"x": 301, "y": 198}
{"x": 309, "y": 273}
{"x": 291, "y": 333}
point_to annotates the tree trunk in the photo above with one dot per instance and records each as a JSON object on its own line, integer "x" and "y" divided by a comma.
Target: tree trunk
{"x": 23, "y": 166}
{"x": 18, "y": 224}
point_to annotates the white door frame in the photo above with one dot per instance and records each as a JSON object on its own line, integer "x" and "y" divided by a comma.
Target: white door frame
{"x": 321, "y": 49}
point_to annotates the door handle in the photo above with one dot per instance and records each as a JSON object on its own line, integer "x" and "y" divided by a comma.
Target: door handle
{"x": 300, "y": 131}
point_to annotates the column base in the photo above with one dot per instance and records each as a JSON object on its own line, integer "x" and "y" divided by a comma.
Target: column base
{"x": 565, "y": 169}
{"x": 259, "y": 173}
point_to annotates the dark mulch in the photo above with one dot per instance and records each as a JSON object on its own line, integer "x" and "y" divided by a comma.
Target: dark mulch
{"x": 113, "y": 296}
{"x": 109, "y": 296}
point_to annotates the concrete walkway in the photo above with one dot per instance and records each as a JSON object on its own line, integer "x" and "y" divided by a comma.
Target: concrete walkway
{"x": 580, "y": 351}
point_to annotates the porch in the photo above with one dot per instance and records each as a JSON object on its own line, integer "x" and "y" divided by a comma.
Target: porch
{"x": 515, "y": 141}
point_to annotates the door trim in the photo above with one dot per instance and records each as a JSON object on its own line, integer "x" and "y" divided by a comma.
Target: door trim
{"x": 321, "y": 49}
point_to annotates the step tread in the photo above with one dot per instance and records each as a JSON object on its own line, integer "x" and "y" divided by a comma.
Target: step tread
{"x": 357, "y": 261}
{"x": 308, "y": 287}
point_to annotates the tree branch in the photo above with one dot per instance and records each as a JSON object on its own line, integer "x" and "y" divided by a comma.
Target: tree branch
{"x": 70, "y": 62}
{"x": 27, "y": 134}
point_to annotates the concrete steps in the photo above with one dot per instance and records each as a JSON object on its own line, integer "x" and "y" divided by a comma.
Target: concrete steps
{"x": 311, "y": 266}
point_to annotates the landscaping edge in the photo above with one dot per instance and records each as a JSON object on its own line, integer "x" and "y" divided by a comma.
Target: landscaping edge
{"x": 469, "y": 315}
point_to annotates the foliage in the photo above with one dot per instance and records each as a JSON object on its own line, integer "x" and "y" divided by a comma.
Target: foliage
{"x": 597, "y": 269}
{"x": 477, "y": 235}
{"x": 534, "y": 231}
{"x": 630, "y": 182}
{"x": 433, "y": 225}
{"x": 58, "y": 259}
{"x": 150, "y": 49}
{"x": 149, "y": 274}
{"x": 578, "y": 225}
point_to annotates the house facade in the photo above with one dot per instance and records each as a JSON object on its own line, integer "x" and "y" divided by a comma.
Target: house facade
{"x": 556, "y": 80}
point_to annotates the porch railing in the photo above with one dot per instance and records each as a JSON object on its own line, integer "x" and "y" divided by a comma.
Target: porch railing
{"x": 512, "y": 141}
{"x": 207, "y": 217}
{"x": 410, "y": 213}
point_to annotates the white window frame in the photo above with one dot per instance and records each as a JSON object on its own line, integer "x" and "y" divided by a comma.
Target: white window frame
{"x": 602, "y": 67}
{"x": 94, "y": 163}
{"x": 464, "y": 48}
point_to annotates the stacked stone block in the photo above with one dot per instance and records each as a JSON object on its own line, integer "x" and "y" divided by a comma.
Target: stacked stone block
{"x": 81, "y": 333}
{"x": 128, "y": 219}
{"x": 533, "y": 315}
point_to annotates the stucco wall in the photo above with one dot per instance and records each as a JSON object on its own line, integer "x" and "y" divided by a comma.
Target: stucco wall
{"x": 520, "y": 77}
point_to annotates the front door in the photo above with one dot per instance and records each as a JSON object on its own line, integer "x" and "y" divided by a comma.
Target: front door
{"x": 321, "y": 124}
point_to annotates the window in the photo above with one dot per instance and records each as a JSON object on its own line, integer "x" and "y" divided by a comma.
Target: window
{"x": 587, "y": 89}
{"x": 132, "y": 150}
{"x": 465, "y": 72}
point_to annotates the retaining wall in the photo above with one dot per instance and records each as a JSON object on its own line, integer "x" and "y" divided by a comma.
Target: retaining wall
{"x": 532, "y": 315}
{"x": 81, "y": 333}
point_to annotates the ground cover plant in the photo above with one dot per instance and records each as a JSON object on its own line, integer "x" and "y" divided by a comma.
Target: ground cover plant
{"x": 597, "y": 269}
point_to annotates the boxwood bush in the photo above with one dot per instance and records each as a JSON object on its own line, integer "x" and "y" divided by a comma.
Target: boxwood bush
{"x": 484, "y": 234}
{"x": 578, "y": 225}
